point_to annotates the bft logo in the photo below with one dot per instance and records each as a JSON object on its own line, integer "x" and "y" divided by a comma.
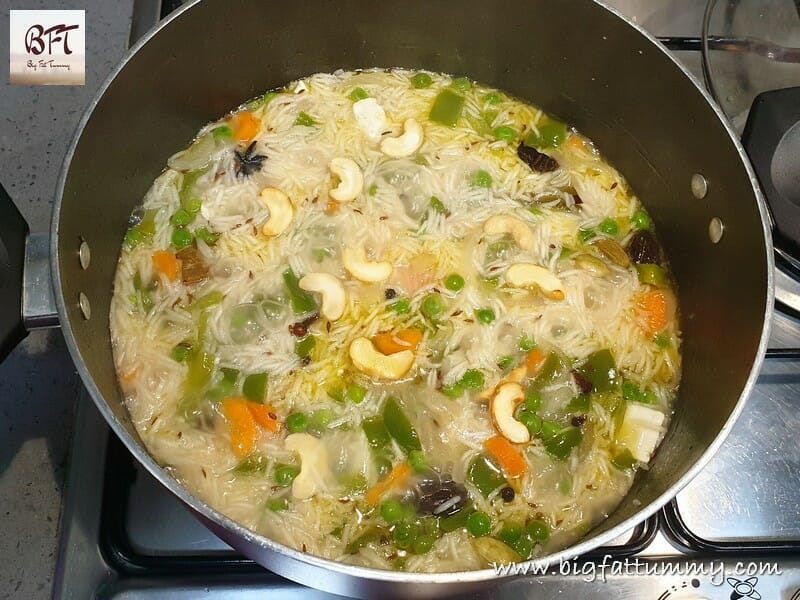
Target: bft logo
{"x": 47, "y": 47}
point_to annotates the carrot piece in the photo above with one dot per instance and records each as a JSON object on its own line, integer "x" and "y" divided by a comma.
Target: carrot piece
{"x": 509, "y": 458}
{"x": 243, "y": 427}
{"x": 392, "y": 343}
{"x": 331, "y": 207}
{"x": 534, "y": 361}
{"x": 245, "y": 126}
{"x": 130, "y": 375}
{"x": 653, "y": 305}
{"x": 265, "y": 415}
{"x": 396, "y": 476}
{"x": 165, "y": 262}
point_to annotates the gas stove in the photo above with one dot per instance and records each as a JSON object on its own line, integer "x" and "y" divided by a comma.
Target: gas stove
{"x": 732, "y": 533}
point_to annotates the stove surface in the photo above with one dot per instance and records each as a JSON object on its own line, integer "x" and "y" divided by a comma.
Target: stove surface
{"x": 733, "y": 532}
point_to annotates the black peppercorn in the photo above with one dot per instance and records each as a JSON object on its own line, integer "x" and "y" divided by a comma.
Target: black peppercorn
{"x": 507, "y": 494}
{"x": 389, "y": 294}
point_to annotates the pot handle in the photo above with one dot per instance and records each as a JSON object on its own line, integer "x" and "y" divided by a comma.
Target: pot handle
{"x": 13, "y": 237}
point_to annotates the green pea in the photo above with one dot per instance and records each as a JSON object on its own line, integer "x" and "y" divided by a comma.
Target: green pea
{"x": 277, "y": 504}
{"x": 355, "y": 393}
{"x": 421, "y": 81}
{"x": 523, "y": 546}
{"x": 222, "y": 133}
{"x": 358, "y": 94}
{"x": 652, "y": 274}
{"x": 432, "y": 306}
{"x": 423, "y": 544}
{"x": 662, "y": 340}
{"x": 392, "y": 511}
{"x": 285, "y": 475}
{"x": 492, "y": 98}
{"x": 485, "y": 315}
{"x": 640, "y": 220}
{"x": 181, "y": 218}
{"x": 538, "y": 530}
{"x": 401, "y": 307}
{"x": 478, "y": 524}
{"x": 505, "y": 133}
{"x": 193, "y": 205}
{"x": 207, "y": 236}
{"x": 586, "y": 234}
{"x": 181, "y": 238}
{"x": 320, "y": 419}
{"x": 510, "y": 533}
{"x": 404, "y": 535}
{"x": 481, "y": 179}
{"x": 609, "y": 226}
{"x": 296, "y": 423}
{"x": 462, "y": 84}
{"x": 472, "y": 379}
{"x": 454, "y": 282}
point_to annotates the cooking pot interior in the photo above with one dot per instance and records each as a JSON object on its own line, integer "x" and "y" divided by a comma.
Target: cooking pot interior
{"x": 576, "y": 59}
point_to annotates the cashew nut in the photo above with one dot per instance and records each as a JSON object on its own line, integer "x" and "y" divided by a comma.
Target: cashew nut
{"x": 369, "y": 360}
{"x": 521, "y": 233}
{"x": 406, "y": 144}
{"x": 515, "y": 375}
{"x": 332, "y": 291}
{"x": 280, "y": 211}
{"x": 356, "y": 263}
{"x": 523, "y": 275}
{"x": 351, "y": 181}
{"x": 370, "y": 117}
{"x": 314, "y": 469}
{"x": 502, "y": 407}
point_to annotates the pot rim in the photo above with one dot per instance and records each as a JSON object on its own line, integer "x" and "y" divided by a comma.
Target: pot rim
{"x": 380, "y": 575}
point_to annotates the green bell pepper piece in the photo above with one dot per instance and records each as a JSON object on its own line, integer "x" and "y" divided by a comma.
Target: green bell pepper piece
{"x": 447, "y": 107}
{"x": 560, "y": 444}
{"x": 600, "y": 370}
{"x": 652, "y": 274}
{"x": 301, "y": 300}
{"x": 554, "y": 366}
{"x": 254, "y": 387}
{"x": 551, "y": 134}
{"x": 485, "y": 475}
{"x": 399, "y": 427}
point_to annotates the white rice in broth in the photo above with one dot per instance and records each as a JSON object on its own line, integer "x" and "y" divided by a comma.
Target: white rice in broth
{"x": 218, "y": 374}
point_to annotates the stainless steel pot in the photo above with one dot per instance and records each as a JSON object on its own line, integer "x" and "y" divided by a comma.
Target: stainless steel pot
{"x": 575, "y": 58}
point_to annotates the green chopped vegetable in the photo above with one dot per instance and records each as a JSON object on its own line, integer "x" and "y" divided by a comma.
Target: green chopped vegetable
{"x": 257, "y": 103}
{"x": 531, "y": 420}
{"x": 181, "y": 352}
{"x": 143, "y": 231}
{"x": 479, "y": 524}
{"x": 399, "y": 427}
{"x": 662, "y": 340}
{"x": 523, "y": 547}
{"x": 254, "y": 463}
{"x": 355, "y": 393}
{"x": 652, "y": 274}
{"x": 375, "y": 430}
{"x": 533, "y": 399}
{"x": 552, "y": 368}
{"x": 198, "y": 376}
{"x": 640, "y": 220}
{"x": 285, "y": 474}
{"x": 416, "y": 458}
{"x": 526, "y": 343}
{"x": 421, "y": 80}
{"x": 303, "y": 348}
{"x": 609, "y": 226}
{"x": 181, "y": 218}
{"x": 586, "y": 234}
{"x": 623, "y": 459}
{"x": 296, "y": 423}
{"x": 538, "y": 531}
{"x": 579, "y": 403}
{"x": 485, "y": 315}
{"x": 305, "y": 120}
{"x": 454, "y": 282}
{"x": 358, "y": 94}
{"x": 254, "y": 387}
{"x": 455, "y": 390}
{"x": 301, "y": 300}
{"x": 455, "y": 521}
{"x": 370, "y": 536}
{"x": 222, "y": 133}
{"x": 181, "y": 238}
{"x": 373, "y": 189}
{"x": 438, "y": 206}
{"x": 472, "y": 379}
{"x": 206, "y": 301}
{"x": 432, "y": 306}
{"x": 505, "y": 133}
{"x": 423, "y": 544}
{"x": 492, "y": 98}
{"x": 320, "y": 419}
{"x": 194, "y": 205}
{"x": 462, "y": 84}
{"x": 481, "y": 179}
{"x": 405, "y": 534}
{"x": 511, "y": 533}
{"x": 633, "y": 393}
{"x": 187, "y": 186}
{"x": 485, "y": 475}
{"x": 421, "y": 160}
{"x": 392, "y": 511}
{"x": 551, "y": 133}
{"x": 561, "y": 443}
{"x": 447, "y": 107}
{"x": 277, "y": 504}
{"x": 600, "y": 370}
{"x": 614, "y": 405}
{"x": 506, "y": 362}
{"x": 207, "y": 236}
{"x": 401, "y": 307}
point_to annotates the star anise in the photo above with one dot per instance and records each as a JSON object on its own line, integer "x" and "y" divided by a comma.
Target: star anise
{"x": 248, "y": 162}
